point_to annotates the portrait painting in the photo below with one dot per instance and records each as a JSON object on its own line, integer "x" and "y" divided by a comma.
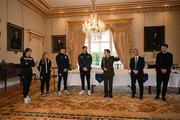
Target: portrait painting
{"x": 58, "y": 42}
{"x": 15, "y": 38}
{"x": 154, "y": 36}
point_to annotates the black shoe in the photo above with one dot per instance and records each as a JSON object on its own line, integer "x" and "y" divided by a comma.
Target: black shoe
{"x": 133, "y": 96}
{"x": 157, "y": 97}
{"x": 105, "y": 95}
{"x": 110, "y": 96}
{"x": 164, "y": 99}
{"x": 141, "y": 97}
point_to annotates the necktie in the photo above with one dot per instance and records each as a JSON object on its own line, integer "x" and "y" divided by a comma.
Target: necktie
{"x": 136, "y": 61}
{"x": 46, "y": 65}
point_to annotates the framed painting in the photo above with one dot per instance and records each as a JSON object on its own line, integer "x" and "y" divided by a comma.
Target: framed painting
{"x": 154, "y": 36}
{"x": 15, "y": 38}
{"x": 58, "y": 42}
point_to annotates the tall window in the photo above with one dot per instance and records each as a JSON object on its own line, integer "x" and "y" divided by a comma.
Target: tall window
{"x": 96, "y": 46}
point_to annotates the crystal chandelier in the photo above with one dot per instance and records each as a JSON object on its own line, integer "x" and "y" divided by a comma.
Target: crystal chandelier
{"x": 93, "y": 24}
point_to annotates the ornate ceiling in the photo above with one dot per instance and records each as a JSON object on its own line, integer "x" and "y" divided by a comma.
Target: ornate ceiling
{"x": 68, "y": 8}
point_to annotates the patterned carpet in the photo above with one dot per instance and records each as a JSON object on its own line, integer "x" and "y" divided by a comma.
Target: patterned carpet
{"x": 94, "y": 107}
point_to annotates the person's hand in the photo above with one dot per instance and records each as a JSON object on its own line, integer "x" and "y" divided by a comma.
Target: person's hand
{"x": 36, "y": 63}
{"x": 135, "y": 72}
{"x": 163, "y": 71}
{"x": 105, "y": 69}
{"x": 65, "y": 70}
{"x": 31, "y": 56}
{"x": 85, "y": 69}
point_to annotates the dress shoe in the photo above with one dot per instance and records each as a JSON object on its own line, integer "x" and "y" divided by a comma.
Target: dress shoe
{"x": 157, "y": 97}
{"x": 133, "y": 96}
{"x": 164, "y": 99}
{"x": 110, "y": 96}
{"x": 141, "y": 97}
{"x": 105, "y": 95}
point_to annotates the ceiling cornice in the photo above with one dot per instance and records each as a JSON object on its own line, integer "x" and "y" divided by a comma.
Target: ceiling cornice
{"x": 44, "y": 9}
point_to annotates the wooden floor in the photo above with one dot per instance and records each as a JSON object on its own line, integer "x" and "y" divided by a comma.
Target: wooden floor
{"x": 94, "y": 107}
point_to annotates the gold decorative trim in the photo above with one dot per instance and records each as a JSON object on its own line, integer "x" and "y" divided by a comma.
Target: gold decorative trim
{"x": 45, "y": 4}
{"x": 45, "y": 9}
{"x": 34, "y": 7}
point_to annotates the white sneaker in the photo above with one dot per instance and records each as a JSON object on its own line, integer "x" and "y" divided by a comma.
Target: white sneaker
{"x": 26, "y": 101}
{"x": 89, "y": 92}
{"x": 28, "y": 98}
{"x": 82, "y": 92}
{"x": 66, "y": 92}
{"x": 59, "y": 93}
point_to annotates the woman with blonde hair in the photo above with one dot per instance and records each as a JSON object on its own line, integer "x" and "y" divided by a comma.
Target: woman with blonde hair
{"x": 45, "y": 73}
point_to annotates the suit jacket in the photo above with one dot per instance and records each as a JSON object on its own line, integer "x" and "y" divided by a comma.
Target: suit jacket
{"x": 140, "y": 65}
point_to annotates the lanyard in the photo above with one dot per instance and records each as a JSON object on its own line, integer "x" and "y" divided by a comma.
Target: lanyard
{"x": 46, "y": 66}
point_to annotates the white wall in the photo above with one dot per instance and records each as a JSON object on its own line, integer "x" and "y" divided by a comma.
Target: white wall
{"x": 14, "y": 12}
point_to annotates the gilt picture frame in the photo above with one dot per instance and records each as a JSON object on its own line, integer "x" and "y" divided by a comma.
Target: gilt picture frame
{"x": 15, "y": 38}
{"x": 154, "y": 36}
{"x": 58, "y": 42}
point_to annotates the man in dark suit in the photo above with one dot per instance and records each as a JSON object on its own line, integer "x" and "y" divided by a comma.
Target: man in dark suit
{"x": 164, "y": 62}
{"x": 137, "y": 65}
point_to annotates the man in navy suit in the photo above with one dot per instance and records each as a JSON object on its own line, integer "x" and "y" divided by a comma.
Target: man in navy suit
{"x": 137, "y": 65}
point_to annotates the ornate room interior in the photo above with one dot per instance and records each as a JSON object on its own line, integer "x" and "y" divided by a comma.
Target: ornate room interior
{"x": 119, "y": 25}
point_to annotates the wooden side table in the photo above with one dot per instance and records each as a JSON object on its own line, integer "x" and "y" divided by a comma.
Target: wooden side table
{"x": 54, "y": 76}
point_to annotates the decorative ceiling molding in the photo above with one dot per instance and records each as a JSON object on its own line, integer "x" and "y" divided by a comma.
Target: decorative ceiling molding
{"x": 43, "y": 8}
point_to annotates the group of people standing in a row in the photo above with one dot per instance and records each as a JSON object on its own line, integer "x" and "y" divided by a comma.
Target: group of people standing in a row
{"x": 164, "y": 62}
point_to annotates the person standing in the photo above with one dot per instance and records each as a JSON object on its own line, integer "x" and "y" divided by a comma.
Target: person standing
{"x": 62, "y": 61}
{"x": 164, "y": 62}
{"x": 45, "y": 73}
{"x": 108, "y": 72}
{"x": 85, "y": 61}
{"x": 137, "y": 65}
{"x": 27, "y": 63}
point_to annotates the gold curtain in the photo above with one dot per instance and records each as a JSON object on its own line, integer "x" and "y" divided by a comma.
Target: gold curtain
{"x": 122, "y": 42}
{"x": 75, "y": 42}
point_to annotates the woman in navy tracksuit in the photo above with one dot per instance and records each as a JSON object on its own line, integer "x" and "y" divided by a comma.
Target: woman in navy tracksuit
{"x": 45, "y": 73}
